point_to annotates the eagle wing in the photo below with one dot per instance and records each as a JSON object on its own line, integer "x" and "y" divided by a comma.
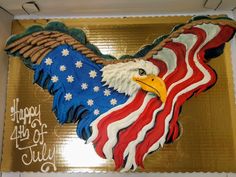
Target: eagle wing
{"x": 181, "y": 57}
{"x": 37, "y": 41}
{"x": 69, "y": 67}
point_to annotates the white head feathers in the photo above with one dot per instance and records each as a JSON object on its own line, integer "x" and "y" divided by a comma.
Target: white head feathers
{"x": 120, "y": 76}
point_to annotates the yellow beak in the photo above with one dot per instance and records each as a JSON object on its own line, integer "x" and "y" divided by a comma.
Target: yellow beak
{"x": 152, "y": 83}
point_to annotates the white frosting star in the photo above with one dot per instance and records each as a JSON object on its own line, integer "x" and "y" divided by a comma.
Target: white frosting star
{"x": 68, "y": 96}
{"x": 70, "y": 79}
{"x": 90, "y": 102}
{"x": 96, "y": 89}
{"x": 54, "y": 79}
{"x": 62, "y": 68}
{"x": 96, "y": 112}
{"x": 65, "y": 52}
{"x": 113, "y": 101}
{"x": 107, "y": 92}
{"x": 84, "y": 86}
{"x": 78, "y": 64}
{"x": 48, "y": 61}
{"x": 92, "y": 74}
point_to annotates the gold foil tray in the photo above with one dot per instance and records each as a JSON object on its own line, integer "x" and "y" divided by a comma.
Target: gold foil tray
{"x": 208, "y": 141}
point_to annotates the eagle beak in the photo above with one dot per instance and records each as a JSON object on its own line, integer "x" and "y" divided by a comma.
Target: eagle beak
{"x": 152, "y": 83}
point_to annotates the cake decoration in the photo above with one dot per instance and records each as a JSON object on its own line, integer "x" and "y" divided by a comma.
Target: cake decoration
{"x": 29, "y": 126}
{"x": 126, "y": 107}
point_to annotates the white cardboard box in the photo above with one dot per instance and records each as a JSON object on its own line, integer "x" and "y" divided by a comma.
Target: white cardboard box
{"x": 5, "y": 31}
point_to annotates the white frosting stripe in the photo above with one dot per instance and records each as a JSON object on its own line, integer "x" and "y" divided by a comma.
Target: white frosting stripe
{"x": 188, "y": 40}
{"x": 114, "y": 128}
{"x": 130, "y": 151}
{"x": 167, "y": 56}
{"x": 132, "y": 145}
{"x": 211, "y": 31}
{"x": 95, "y": 122}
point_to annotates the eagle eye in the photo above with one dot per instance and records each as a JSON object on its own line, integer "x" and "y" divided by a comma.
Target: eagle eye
{"x": 141, "y": 72}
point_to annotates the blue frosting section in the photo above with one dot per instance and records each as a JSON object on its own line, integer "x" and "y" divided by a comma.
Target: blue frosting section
{"x": 75, "y": 82}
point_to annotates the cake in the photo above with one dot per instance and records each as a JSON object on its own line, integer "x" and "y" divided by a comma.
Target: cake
{"x": 128, "y": 108}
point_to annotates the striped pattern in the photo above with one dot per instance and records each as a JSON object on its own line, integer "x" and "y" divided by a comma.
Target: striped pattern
{"x": 129, "y": 132}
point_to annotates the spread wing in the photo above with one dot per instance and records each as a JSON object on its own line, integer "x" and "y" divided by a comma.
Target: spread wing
{"x": 181, "y": 57}
{"x": 69, "y": 67}
{"x": 37, "y": 41}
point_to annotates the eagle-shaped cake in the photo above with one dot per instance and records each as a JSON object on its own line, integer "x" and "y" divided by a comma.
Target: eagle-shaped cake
{"x": 126, "y": 107}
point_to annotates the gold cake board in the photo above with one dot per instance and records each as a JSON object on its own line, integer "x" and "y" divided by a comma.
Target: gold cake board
{"x": 208, "y": 140}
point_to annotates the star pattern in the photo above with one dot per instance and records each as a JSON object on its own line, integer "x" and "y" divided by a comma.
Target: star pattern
{"x": 96, "y": 89}
{"x": 78, "y": 64}
{"x": 70, "y": 79}
{"x": 84, "y": 86}
{"x": 96, "y": 112}
{"x": 54, "y": 79}
{"x": 48, "y": 61}
{"x": 113, "y": 101}
{"x": 80, "y": 82}
{"x": 90, "y": 102}
{"x": 65, "y": 52}
{"x": 92, "y": 74}
{"x": 62, "y": 68}
{"x": 107, "y": 92}
{"x": 68, "y": 96}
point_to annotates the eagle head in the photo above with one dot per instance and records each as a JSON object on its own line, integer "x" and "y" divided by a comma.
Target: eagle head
{"x": 129, "y": 77}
